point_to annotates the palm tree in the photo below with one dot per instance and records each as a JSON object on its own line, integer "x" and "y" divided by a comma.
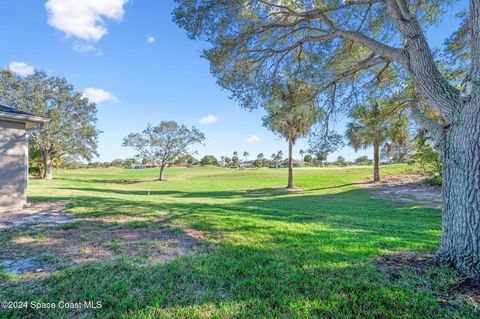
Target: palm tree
{"x": 301, "y": 152}
{"x": 291, "y": 113}
{"x": 260, "y": 161}
{"x": 322, "y": 158}
{"x": 245, "y": 155}
{"x": 235, "y": 159}
{"x": 279, "y": 155}
{"x": 373, "y": 125}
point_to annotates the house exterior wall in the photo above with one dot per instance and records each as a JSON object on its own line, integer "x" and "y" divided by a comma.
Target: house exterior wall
{"x": 13, "y": 165}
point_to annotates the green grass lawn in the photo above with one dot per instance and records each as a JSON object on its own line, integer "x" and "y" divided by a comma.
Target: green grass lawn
{"x": 265, "y": 252}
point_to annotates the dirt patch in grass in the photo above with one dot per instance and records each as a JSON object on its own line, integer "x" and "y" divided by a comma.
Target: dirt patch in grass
{"x": 292, "y": 189}
{"x": 418, "y": 271}
{"x": 392, "y": 264}
{"x": 407, "y": 188}
{"x": 400, "y": 259}
{"x": 469, "y": 288}
{"x": 43, "y": 213}
{"x": 52, "y": 248}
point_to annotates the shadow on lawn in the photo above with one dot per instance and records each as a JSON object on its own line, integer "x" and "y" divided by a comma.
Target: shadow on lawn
{"x": 254, "y": 192}
{"x": 102, "y": 181}
{"x": 303, "y": 255}
{"x": 258, "y": 192}
{"x": 354, "y": 210}
{"x": 274, "y": 279}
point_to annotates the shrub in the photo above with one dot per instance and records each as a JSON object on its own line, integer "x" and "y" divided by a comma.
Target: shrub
{"x": 209, "y": 160}
{"x": 429, "y": 160}
{"x": 434, "y": 181}
{"x": 341, "y": 161}
{"x": 363, "y": 160}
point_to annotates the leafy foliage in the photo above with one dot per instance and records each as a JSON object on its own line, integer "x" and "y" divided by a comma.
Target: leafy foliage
{"x": 163, "y": 143}
{"x": 323, "y": 141}
{"x": 291, "y": 110}
{"x": 72, "y": 128}
{"x": 341, "y": 161}
{"x": 330, "y": 44}
{"x": 363, "y": 160}
{"x": 376, "y": 123}
{"x": 209, "y": 160}
{"x": 429, "y": 160}
{"x": 186, "y": 159}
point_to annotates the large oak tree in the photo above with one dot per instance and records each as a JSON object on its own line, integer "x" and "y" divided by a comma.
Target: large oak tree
{"x": 339, "y": 42}
{"x": 72, "y": 128}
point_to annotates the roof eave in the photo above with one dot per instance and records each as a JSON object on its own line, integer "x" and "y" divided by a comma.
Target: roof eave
{"x": 31, "y": 121}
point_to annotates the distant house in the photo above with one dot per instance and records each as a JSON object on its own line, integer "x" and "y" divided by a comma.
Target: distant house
{"x": 284, "y": 164}
{"x": 298, "y": 163}
{"x": 14, "y": 156}
{"x": 246, "y": 164}
{"x": 136, "y": 166}
{"x": 142, "y": 166}
{"x": 277, "y": 165}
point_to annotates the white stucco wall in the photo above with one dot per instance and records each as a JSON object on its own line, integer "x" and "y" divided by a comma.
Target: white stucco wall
{"x": 13, "y": 166}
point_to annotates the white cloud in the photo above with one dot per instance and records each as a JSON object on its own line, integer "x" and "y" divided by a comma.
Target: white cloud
{"x": 209, "y": 119}
{"x": 87, "y": 48}
{"x": 252, "y": 139}
{"x": 150, "y": 39}
{"x": 21, "y": 68}
{"x": 79, "y": 47}
{"x": 99, "y": 95}
{"x": 84, "y": 19}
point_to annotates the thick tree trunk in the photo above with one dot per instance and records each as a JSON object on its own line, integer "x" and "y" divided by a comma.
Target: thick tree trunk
{"x": 47, "y": 166}
{"x": 376, "y": 163}
{"x": 162, "y": 168}
{"x": 459, "y": 141}
{"x": 290, "y": 169}
{"x": 460, "y": 245}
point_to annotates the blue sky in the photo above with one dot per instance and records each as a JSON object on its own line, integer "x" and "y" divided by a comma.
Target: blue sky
{"x": 141, "y": 68}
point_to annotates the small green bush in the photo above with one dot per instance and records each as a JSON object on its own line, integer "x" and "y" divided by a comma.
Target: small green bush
{"x": 429, "y": 160}
{"x": 434, "y": 181}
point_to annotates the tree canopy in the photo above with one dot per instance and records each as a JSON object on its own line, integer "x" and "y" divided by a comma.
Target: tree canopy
{"x": 291, "y": 112}
{"x": 374, "y": 124}
{"x": 72, "y": 128}
{"x": 328, "y": 43}
{"x": 164, "y": 143}
{"x": 209, "y": 160}
{"x": 346, "y": 48}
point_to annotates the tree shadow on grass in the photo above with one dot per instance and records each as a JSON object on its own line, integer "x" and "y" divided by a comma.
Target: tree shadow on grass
{"x": 303, "y": 255}
{"x": 354, "y": 210}
{"x": 121, "y": 181}
{"x": 258, "y": 192}
{"x": 228, "y": 280}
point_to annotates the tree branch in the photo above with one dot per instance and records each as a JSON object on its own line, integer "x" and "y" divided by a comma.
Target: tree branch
{"x": 367, "y": 63}
{"x": 436, "y": 129}
{"x": 382, "y": 49}
{"x": 420, "y": 64}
